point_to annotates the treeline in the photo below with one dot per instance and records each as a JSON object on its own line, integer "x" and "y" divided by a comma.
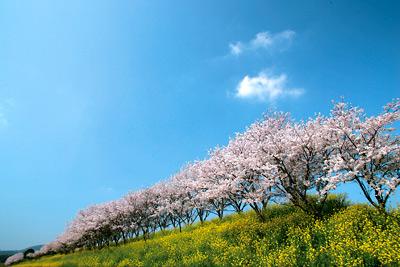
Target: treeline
{"x": 275, "y": 159}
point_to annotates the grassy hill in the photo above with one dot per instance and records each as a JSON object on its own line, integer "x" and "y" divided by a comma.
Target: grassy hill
{"x": 351, "y": 236}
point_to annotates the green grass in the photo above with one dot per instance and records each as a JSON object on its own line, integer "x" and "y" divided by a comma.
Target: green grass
{"x": 347, "y": 236}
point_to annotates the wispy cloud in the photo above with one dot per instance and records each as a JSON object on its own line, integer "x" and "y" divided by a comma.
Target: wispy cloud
{"x": 265, "y": 87}
{"x": 236, "y": 49}
{"x": 263, "y": 40}
{"x": 3, "y": 119}
{"x": 5, "y": 106}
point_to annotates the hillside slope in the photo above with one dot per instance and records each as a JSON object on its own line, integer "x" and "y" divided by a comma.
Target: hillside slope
{"x": 354, "y": 236}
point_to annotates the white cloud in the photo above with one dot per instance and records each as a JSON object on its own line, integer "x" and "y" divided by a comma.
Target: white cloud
{"x": 266, "y": 88}
{"x": 236, "y": 49}
{"x": 264, "y": 40}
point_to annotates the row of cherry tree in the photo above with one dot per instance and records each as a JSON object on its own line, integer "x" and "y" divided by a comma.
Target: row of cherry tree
{"x": 276, "y": 159}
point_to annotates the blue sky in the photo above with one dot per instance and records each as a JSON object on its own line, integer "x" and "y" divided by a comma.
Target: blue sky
{"x": 98, "y": 98}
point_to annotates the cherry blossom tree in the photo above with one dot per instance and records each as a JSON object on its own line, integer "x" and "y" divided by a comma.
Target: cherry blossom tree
{"x": 366, "y": 151}
{"x": 14, "y": 259}
{"x": 292, "y": 155}
{"x": 191, "y": 181}
{"x": 216, "y": 184}
{"x": 252, "y": 183}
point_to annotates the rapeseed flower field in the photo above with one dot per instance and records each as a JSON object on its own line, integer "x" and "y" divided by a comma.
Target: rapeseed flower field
{"x": 354, "y": 235}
